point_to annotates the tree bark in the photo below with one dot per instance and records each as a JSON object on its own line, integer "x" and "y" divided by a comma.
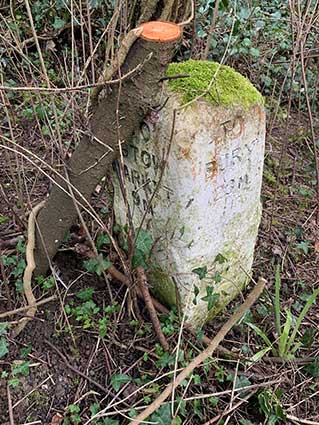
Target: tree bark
{"x": 90, "y": 161}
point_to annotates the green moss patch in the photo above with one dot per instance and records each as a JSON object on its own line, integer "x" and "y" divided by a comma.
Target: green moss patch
{"x": 162, "y": 286}
{"x": 229, "y": 88}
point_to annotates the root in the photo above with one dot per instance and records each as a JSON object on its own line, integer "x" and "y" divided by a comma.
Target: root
{"x": 27, "y": 277}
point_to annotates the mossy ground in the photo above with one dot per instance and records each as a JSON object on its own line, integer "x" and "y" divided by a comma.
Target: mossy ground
{"x": 229, "y": 88}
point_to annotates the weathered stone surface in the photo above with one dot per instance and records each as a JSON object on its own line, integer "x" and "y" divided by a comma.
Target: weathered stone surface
{"x": 205, "y": 215}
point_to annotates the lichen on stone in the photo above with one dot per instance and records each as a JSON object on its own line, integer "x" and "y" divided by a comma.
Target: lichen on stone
{"x": 229, "y": 88}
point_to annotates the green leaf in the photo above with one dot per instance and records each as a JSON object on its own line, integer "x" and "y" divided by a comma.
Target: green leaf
{"x": 308, "y": 337}
{"x": 242, "y": 382}
{"x": 196, "y": 292}
{"x": 3, "y": 347}
{"x": 85, "y": 294}
{"x": 254, "y": 52}
{"x": 162, "y": 416}
{"x": 259, "y": 355}
{"x": 301, "y": 316}
{"x": 313, "y": 368}
{"x": 144, "y": 242}
{"x": 201, "y": 272}
{"x": 19, "y": 286}
{"x": 304, "y": 247}
{"x": 102, "y": 240}
{"x": 213, "y": 401}
{"x": 277, "y": 299}
{"x": 165, "y": 360}
{"x": 217, "y": 277}
{"x": 260, "y": 333}
{"x": 14, "y": 382}
{"x": 3, "y": 328}
{"x": 19, "y": 268}
{"x": 9, "y": 260}
{"x": 142, "y": 250}
{"x": 220, "y": 259}
{"x": 21, "y": 369}
{"x": 211, "y": 298}
{"x": 58, "y": 23}
{"x": 3, "y": 219}
{"x": 93, "y": 265}
{"x": 197, "y": 380}
{"x": 20, "y": 246}
{"x": 118, "y": 380}
{"x": 74, "y": 408}
{"x": 282, "y": 343}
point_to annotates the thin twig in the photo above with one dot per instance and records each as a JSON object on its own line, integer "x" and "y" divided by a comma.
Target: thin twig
{"x": 71, "y": 89}
{"x": 26, "y": 307}
{"x": 231, "y": 409}
{"x": 301, "y": 421}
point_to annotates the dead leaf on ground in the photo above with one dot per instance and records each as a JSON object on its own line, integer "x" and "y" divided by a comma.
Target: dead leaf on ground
{"x": 57, "y": 419}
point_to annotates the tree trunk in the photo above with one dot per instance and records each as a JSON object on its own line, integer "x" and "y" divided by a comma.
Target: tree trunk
{"x": 92, "y": 159}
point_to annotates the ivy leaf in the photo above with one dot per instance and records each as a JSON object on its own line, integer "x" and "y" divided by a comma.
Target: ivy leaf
{"x": 144, "y": 242}
{"x": 143, "y": 246}
{"x": 118, "y": 380}
{"x": 196, "y": 292}
{"x": 3, "y": 328}
{"x": 201, "y": 272}
{"x": 304, "y": 246}
{"x": 254, "y": 52}
{"x": 85, "y": 294}
{"x": 102, "y": 240}
{"x": 3, "y": 347}
{"x": 21, "y": 369}
{"x": 94, "y": 266}
{"x": 58, "y": 23}
{"x": 162, "y": 416}
{"x": 217, "y": 277}
{"x": 211, "y": 298}
{"x": 220, "y": 259}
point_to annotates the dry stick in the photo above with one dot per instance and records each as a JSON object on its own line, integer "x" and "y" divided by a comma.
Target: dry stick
{"x": 18, "y": 310}
{"x": 301, "y": 420}
{"x": 11, "y": 418}
{"x": 252, "y": 297}
{"x": 27, "y": 277}
{"x": 142, "y": 281}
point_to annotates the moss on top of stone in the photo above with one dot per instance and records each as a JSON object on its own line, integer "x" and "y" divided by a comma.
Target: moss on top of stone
{"x": 229, "y": 88}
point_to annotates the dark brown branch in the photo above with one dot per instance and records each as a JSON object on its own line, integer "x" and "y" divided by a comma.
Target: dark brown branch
{"x": 143, "y": 285}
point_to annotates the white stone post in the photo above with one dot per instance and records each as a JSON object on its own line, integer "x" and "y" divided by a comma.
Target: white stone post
{"x": 205, "y": 214}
